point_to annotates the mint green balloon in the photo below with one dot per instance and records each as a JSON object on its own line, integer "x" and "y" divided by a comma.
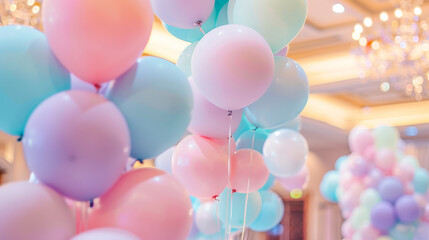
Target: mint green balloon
{"x": 254, "y": 205}
{"x": 421, "y": 180}
{"x": 278, "y": 21}
{"x": 222, "y": 17}
{"x": 360, "y": 216}
{"x": 29, "y": 74}
{"x": 410, "y": 160}
{"x": 386, "y": 137}
{"x": 370, "y": 198}
{"x": 184, "y": 60}
{"x": 193, "y": 34}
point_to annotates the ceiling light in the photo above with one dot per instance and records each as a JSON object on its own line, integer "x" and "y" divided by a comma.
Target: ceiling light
{"x": 418, "y": 11}
{"x": 358, "y": 28}
{"x": 398, "y": 13}
{"x": 384, "y": 16}
{"x": 411, "y": 131}
{"x": 363, "y": 42}
{"x": 356, "y": 36}
{"x": 338, "y": 8}
{"x": 367, "y": 22}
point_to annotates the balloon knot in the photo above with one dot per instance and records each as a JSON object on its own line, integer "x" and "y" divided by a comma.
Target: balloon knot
{"x": 229, "y": 112}
{"x": 97, "y": 87}
{"x": 256, "y": 128}
{"x": 140, "y": 160}
{"x": 198, "y": 23}
{"x": 19, "y": 139}
{"x": 91, "y": 203}
{"x": 216, "y": 198}
{"x": 234, "y": 191}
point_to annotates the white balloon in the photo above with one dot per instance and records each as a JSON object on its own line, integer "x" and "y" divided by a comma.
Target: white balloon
{"x": 206, "y": 218}
{"x": 163, "y": 161}
{"x": 285, "y": 152}
{"x": 106, "y": 234}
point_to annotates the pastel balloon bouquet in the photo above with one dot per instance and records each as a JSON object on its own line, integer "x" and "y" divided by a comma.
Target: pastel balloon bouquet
{"x": 78, "y": 140}
{"x": 381, "y": 191}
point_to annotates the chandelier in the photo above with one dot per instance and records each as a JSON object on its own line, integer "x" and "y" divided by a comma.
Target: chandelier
{"x": 395, "y": 49}
{"x": 23, "y": 12}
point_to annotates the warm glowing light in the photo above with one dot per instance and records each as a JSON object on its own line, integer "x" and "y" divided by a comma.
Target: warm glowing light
{"x": 296, "y": 194}
{"x": 338, "y": 8}
{"x": 36, "y": 9}
{"x": 30, "y": 2}
{"x": 363, "y": 42}
{"x": 385, "y": 87}
{"x": 418, "y": 11}
{"x": 375, "y": 45}
{"x": 358, "y": 28}
{"x": 13, "y": 7}
{"x": 367, "y": 22}
{"x": 384, "y": 16}
{"x": 356, "y": 36}
{"x": 398, "y": 13}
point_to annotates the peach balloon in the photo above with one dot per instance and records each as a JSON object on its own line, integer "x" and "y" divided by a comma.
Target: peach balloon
{"x": 209, "y": 120}
{"x": 201, "y": 164}
{"x": 149, "y": 203}
{"x": 248, "y": 166}
{"x": 97, "y": 40}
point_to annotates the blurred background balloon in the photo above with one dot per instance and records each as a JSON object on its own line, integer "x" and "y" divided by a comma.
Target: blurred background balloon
{"x": 193, "y": 34}
{"x": 73, "y": 31}
{"x": 390, "y": 188}
{"x": 185, "y": 58}
{"x": 185, "y": 14}
{"x": 360, "y": 138}
{"x": 407, "y": 209}
{"x": 163, "y": 161}
{"x": 256, "y": 138}
{"x": 209, "y": 120}
{"x": 156, "y": 100}
{"x": 29, "y": 73}
{"x": 286, "y": 96}
{"x": 268, "y": 17}
{"x": 201, "y": 158}
{"x": 248, "y": 172}
{"x": 271, "y": 214}
{"x": 285, "y": 152}
{"x": 297, "y": 181}
{"x": 329, "y": 185}
{"x": 67, "y": 139}
{"x": 232, "y": 66}
{"x": 237, "y": 206}
{"x": 30, "y": 211}
{"x": 106, "y": 234}
{"x": 131, "y": 202}
{"x": 386, "y": 137}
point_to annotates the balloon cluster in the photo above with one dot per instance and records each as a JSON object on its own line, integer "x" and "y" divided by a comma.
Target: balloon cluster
{"x": 382, "y": 193}
{"x": 78, "y": 142}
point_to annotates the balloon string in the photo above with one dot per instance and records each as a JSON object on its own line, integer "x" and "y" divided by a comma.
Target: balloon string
{"x": 230, "y": 213}
{"x": 228, "y": 230}
{"x": 248, "y": 184}
{"x": 229, "y": 173}
{"x": 199, "y": 24}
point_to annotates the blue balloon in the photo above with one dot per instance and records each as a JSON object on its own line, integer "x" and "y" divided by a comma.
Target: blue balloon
{"x": 194, "y": 34}
{"x": 222, "y": 16}
{"x": 272, "y": 212}
{"x": 421, "y": 180}
{"x": 245, "y": 140}
{"x": 269, "y": 183}
{"x": 29, "y": 74}
{"x": 196, "y": 203}
{"x": 156, "y": 100}
{"x": 244, "y": 126}
{"x": 236, "y": 220}
{"x": 403, "y": 232}
{"x": 294, "y": 124}
{"x": 340, "y": 161}
{"x": 285, "y": 98}
{"x": 329, "y": 185}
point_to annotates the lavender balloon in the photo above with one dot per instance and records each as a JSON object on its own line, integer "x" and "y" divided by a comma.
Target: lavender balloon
{"x": 78, "y": 143}
{"x": 383, "y": 216}
{"x": 390, "y": 189}
{"x": 407, "y": 209}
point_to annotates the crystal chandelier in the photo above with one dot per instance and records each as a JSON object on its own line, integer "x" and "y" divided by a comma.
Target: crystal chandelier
{"x": 23, "y": 12}
{"x": 395, "y": 49}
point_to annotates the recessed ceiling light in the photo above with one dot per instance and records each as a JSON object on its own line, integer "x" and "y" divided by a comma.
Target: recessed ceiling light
{"x": 338, "y": 8}
{"x": 411, "y": 131}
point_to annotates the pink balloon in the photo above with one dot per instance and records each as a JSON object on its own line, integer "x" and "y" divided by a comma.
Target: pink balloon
{"x": 358, "y": 166}
{"x": 78, "y": 143}
{"x": 106, "y": 234}
{"x": 149, "y": 203}
{"x": 373, "y": 178}
{"x": 404, "y": 171}
{"x": 248, "y": 165}
{"x": 385, "y": 159}
{"x": 360, "y": 138}
{"x": 201, "y": 164}
{"x": 347, "y": 230}
{"x": 426, "y": 214}
{"x": 209, "y": 120}
{"x": 283, "y": 52}
{"x": 232, "y": 66}
{"x": 369, "y": 153}
{"x": 368, "y": 232}
{"x": 295, "y": 182}
{"x": 33, "y": 211}
{"x": 184, "y": 13}
{"x": 97, "y": 40}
